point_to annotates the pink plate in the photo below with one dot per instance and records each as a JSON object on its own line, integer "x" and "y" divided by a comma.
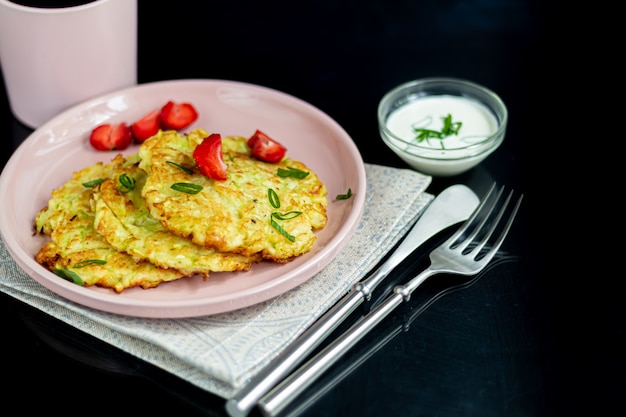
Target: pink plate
{"x": 49, "y": 155}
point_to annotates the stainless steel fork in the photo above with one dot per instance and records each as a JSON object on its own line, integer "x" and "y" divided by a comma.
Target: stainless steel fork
{"x": 466, "y": 252}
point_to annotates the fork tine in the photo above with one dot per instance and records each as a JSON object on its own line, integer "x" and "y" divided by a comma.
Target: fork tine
{"x": 462, "y": 246}
{"x": 505, "y": 230}
{"x": 479, "y": 246}
{"x": 456, "y": 237}
{"x": 445, "y": 258}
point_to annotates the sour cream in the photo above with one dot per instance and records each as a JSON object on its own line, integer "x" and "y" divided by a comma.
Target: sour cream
{"x": 425, "y": 104}
{"x": 478, "y": 122}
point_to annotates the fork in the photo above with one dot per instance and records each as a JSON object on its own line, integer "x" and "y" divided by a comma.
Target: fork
{"x": 466, "y": 252}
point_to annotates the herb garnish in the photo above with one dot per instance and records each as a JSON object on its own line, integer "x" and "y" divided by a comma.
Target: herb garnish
{"x": 69, "y": 275}
{"x": 127, "y": 184}
{"x": 275, "y": 202}
{"x": 186, "y": 187}
{"x": 345, "y": 196}
{"x": 273, "y": 197}
{"x": 448, "y": 129}
{"x": 93, "y": 183}
{"x": 280, "y": 229}
{"x": 286, "y": 216}
{"x": 87, "y": 262}
{"x": 184, "y": 168}
{"x": 292, "y": 172}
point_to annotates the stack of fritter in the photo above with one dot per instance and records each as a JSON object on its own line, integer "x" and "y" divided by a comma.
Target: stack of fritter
{"x": 152, "y": 217}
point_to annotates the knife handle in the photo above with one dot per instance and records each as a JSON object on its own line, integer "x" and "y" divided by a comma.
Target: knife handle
{"x": 242, "y": 402}
{"x": 285, "y": 392}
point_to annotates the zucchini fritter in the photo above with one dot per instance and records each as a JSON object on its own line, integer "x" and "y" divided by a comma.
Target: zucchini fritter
{"x": 71, "y": 199}
{"x": 235, "y": 215}
{"x": 122, "y": 217}
{"x": 121, "y": 224}
{"x": 77, "y": 247}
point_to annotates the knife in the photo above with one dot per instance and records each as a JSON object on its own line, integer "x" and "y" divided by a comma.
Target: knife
{"x": 452, "y": 205}
{"x": 371, "y": 346}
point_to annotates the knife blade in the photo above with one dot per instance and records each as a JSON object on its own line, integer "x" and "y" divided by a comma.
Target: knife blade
{"x": 452, "y": 205}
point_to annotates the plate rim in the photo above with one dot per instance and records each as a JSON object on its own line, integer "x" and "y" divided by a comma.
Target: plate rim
{"x": 169, "y": 308}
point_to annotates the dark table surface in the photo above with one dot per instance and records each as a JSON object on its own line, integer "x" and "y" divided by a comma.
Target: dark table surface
{"x": 518, "y": 341}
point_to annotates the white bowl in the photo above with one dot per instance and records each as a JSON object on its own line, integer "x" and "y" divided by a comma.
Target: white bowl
{"x": 424, "y": 104}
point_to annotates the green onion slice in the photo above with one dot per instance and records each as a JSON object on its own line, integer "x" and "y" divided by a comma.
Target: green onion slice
{"x": 275, "y": 202}
{"x": 345, "y": 196}
{"x": 449, "y": 128}
{"x": 186, "y": 187}
{"x": 93, "y": 183}
{"x": 281, "y": 230}
{"x": 273, "y": 197}
{"x": 292, "y": 172}
{"x": 286, "y": 216}
{"x": 127, "y": 184}
{"x": 87, "y": 262}
{"x": 184, "y": 168}
{"x": 69, "y": 275}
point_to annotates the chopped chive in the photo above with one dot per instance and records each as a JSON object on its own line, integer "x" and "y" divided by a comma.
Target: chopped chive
{"x": 273, "y": 197}
{"x": 275, "y": 202}
{"x": 286, "y": 216}
{"x": 69, "y": 275}
{"x": 127, "y": 184}
{"x": 186, "y": 187}
{"x": 93, "y": 183}
{"x": 345, "y": 196}
{"x": 281, "y": 230}
{"x": 292, "y": 172}
{"x": 87, "y": 262}
{"x": 184, "y": 168}
{"x": 449, "y": 128}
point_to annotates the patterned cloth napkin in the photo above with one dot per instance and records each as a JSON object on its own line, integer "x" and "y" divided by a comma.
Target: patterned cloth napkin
{"x": 219, "y": 353}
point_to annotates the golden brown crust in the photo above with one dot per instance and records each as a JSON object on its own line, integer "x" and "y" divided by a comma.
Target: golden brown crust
{"x": 234, "y": 215}
{"x": 117, "y": 237}
{"x": 124, "y": 221}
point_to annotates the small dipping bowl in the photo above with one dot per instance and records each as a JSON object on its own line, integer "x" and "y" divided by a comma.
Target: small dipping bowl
{"x": 410, "y": 113}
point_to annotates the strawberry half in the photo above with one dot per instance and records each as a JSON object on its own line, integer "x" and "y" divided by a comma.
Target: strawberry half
{"x": 147, "y": 126}
{"x": 209, "y": 158}
{"x": 107, "y": 137}
{"x": 177, "y": 116}
{"x": 265, "y": 148}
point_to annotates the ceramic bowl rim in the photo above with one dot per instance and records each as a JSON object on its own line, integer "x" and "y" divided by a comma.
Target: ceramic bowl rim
{"x": 394, "y": 95}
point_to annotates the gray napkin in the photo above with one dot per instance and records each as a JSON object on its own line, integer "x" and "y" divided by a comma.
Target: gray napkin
{"x": 219, "y": 353}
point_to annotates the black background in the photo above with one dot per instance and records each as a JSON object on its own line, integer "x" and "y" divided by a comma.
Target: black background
{"x": 527, "y": 339}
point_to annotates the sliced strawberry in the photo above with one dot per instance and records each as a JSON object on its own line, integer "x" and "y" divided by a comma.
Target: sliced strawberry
{"x": 177, "y": 116}
{"x": 107, "y": 136}
{"x": 265, "y": 148}
{"x": 147, "y": 126}
{"x": 209, "y": 158}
